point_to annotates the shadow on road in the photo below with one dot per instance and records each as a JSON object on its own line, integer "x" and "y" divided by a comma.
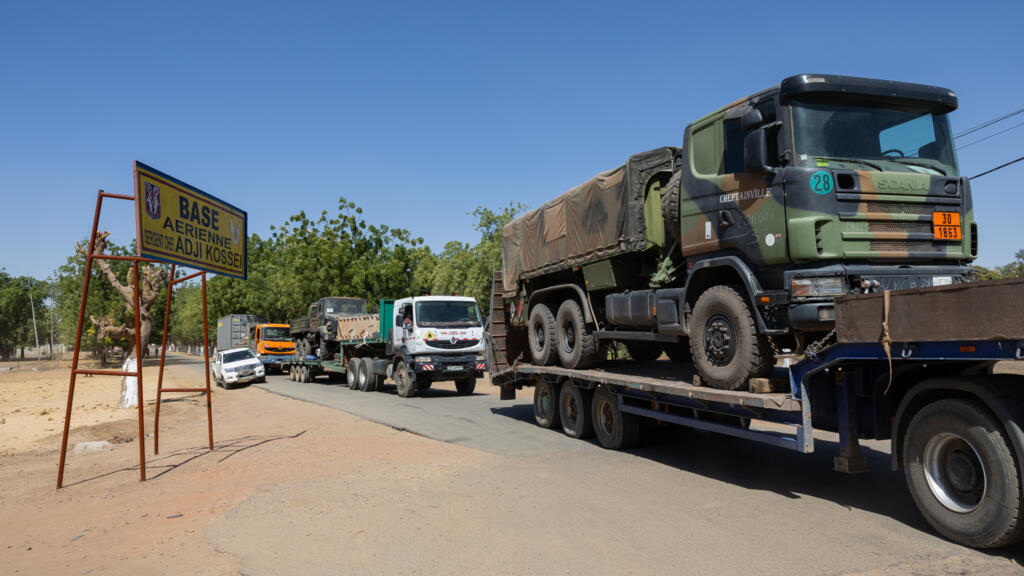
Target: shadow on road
{"x": 169, "y": 462}
{"x": 762, "y": 467}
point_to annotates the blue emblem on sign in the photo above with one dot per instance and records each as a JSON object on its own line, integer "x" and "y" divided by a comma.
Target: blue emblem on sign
{"x": 821, "y": 182}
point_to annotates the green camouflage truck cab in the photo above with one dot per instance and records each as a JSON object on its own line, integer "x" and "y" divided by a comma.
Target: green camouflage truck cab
{"x": 735, "y": 245}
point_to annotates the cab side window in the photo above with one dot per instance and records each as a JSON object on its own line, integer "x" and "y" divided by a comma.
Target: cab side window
{"x": 706, "y": 149}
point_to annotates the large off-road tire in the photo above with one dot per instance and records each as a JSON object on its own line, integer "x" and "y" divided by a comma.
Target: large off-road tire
{"x": 574, "y": 411}
{"x": 641, "y": 351}
{"x": 576, "y": 346}
{"x": 670, "y": 206}
{"x": 352, "y": 373}
{"x": 545, "y": 404}
{"x": 679, "y": 351}
{"x": 541, "y": 332}
{"x": 614, "y": 429}
{"x": 405, "y": 382}
{"x": 727, "y": 349}
{"x": 465, "y": 386}
{"x": 307, "y": 374}
{"x": 963, "y": 474}
{"x": 363, "y": 370}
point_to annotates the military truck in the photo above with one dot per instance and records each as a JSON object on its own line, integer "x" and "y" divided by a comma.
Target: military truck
{"x": 316, "y": 333}
{"x": 734, "y": 246}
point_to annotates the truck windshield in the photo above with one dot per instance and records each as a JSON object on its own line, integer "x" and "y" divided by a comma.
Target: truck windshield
{"x": 277, "y": 333}
{"x": 457, "y": 314}
{"x": 345, "y": 306}
{"x": 874, "y": 135}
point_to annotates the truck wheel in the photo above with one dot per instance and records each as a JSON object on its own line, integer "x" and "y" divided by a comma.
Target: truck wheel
{"x": 545, "y": 404}
{"x": 679, "y": 351}
{"x": 363, "y": 376}
{"x": 465, "y": 386}
{"x": 542, "y": 335}
{"x": 726, "y": 347}
{"x": 614, "y": 429}
{"x": 405, "y": 382}
{"x": 291, "y": 373}
{"x": 574, "y": 411}
{"x": 963, "y": 474}
{"x": 307, "y": 374}
{"x": 352, "y": 373}
{"x": 643, "y": 351}
{"x": 576, "y": 346}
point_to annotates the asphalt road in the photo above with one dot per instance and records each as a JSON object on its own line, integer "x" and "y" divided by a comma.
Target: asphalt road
{"x": 685, "y": 501}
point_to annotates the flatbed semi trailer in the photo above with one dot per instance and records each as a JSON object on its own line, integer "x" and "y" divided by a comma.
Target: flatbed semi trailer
{"x": 895, "y": 372}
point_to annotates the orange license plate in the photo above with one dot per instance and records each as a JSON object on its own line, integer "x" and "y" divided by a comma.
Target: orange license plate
{"x": 946, "y": 225}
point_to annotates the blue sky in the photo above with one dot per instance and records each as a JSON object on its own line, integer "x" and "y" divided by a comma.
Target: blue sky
{"x": 419, "y": 112}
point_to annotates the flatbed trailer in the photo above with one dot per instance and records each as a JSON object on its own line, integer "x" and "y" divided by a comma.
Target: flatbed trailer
{"x": 953, "y": 409}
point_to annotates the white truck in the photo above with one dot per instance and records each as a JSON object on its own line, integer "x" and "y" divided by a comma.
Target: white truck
{"x": 414, "y": 341}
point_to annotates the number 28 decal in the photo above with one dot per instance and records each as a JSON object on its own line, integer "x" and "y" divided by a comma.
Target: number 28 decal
{"x": 821, "y": 182}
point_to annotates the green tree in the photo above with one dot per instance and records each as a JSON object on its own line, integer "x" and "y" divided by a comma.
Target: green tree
{"x": 1014, "y": 269}
{"x": 16, "y": 312}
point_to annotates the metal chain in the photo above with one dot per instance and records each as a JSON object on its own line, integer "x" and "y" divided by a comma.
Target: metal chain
{"x": 815, "y": 347}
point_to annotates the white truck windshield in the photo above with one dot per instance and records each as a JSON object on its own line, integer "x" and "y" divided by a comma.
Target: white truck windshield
{"x": 441, "y": 314}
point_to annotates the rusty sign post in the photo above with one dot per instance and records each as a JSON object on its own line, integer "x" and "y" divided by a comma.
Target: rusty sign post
{"x": 197, "y": 231}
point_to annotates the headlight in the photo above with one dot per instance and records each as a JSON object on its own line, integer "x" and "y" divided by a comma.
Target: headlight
{"x": 831, "y": 286}
{"x": 229, "y": 370}
{"x": 423, "y": 358}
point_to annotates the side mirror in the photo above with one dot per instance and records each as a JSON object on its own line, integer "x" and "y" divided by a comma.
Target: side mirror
{"x": 398, "y": 320}
{"x": 751, "y": 119}
{"x": 755, "y": 150}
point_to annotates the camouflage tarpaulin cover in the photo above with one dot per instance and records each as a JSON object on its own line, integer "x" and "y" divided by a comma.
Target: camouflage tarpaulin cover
{"x": 602, "y": 217}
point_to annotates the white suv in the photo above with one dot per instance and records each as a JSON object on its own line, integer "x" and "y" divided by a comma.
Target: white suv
{"x": 237, "y": 366}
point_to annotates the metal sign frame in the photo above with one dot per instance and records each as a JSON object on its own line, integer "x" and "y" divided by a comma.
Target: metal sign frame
{"x": 75, "y": 370}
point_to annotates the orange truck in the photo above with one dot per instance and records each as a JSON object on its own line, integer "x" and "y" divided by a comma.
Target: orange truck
{"x": 271, "y": 342}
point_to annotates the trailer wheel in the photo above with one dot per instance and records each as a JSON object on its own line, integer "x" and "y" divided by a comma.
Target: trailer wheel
{"x": 307, "y": 374}
{"x": 542, "y": 335}
{"x": 576, "y": 346}
{"x": 545, "y": 404}
{"x": 465, "y": 386}
{"x": 363, "y": 376}
{"x": 679, "y": 351}
{"x": 405, "y": 382}
{"x": 963, "y": 474}
{"x": 726, "y": 347}
{"x": 641, "y": 351}
{"x": 614, "y": 429}
{"x": 574, "y": 411}
{"x": 352, "y": 373}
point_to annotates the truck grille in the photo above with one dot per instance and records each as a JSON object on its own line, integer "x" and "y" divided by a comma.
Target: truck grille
{"x": 449, "y": 345}
{"x": 874, "y": 226}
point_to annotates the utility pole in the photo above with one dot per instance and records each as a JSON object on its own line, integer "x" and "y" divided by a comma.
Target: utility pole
{"x": 53, "y": 302}
{"x": 39, "y": 354}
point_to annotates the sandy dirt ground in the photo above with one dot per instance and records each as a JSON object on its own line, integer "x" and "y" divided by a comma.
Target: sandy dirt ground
{"x": 106, "y": 521}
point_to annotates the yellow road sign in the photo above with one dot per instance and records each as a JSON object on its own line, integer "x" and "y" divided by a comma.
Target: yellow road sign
{"x": 182, "y": 224}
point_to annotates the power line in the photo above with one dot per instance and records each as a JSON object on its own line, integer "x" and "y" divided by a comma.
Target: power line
{"x": 982, "y": 139}
{"x": 1001, "y": 166}
{"x": 989, "y": 123}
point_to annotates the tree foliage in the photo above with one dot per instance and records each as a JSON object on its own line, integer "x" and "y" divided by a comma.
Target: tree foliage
{"x": 16, "y": 312}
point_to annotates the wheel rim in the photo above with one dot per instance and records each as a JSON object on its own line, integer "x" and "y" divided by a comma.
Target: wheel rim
{"x": 606, "y": 417}
{"x": 538, "y": 336}
{"x": 572, "y": 411}
{"x": 719, "y": 340}
{"x": 544, "y": 402}
{"x": 954, "y": 472}
{"x": 568, "y": 337}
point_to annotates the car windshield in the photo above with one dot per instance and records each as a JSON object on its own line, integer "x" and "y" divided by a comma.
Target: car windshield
{"x": 275, "y": 333}
{"x": 345, "y": 306}
{"x": 874, "y": 135}
{"x": 451, "y": 314}
{"x": 238, "y": 355}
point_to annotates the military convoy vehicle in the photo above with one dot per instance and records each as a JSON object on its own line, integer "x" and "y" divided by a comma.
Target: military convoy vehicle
{"x": 316, "y": 333}
{"x": 734, "y": 246}
{"x": 415, "y": 341}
